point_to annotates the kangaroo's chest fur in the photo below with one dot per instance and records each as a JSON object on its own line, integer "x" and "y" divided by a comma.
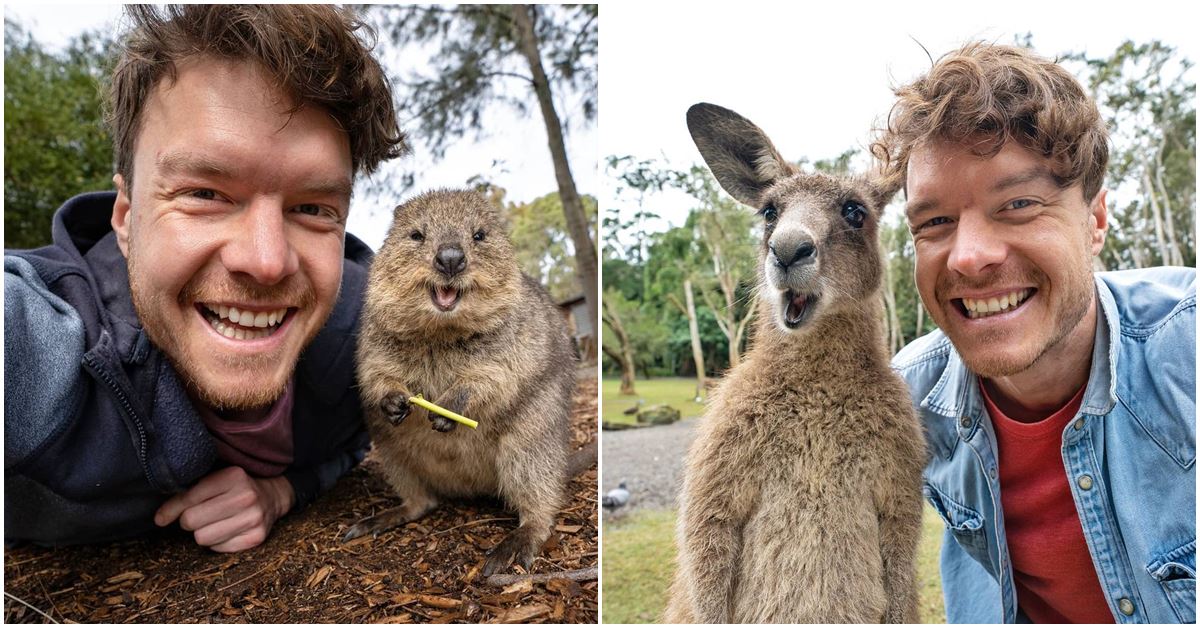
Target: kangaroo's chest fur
{"x": 820, "y": 450}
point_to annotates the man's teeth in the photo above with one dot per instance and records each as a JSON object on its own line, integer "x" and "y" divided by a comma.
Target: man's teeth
{"x": 247, "y": 318}
{"x": 244, "y": 324}
{"x": 979, "y": 308}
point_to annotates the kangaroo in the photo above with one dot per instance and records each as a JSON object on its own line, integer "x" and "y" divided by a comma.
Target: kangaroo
{"x": 801, "y": 494}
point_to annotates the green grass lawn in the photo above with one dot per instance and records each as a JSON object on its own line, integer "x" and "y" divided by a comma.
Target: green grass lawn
{"x": 675, "y": 391}
{"x": 639, "y": 558}
{"x": 638, "y": 561}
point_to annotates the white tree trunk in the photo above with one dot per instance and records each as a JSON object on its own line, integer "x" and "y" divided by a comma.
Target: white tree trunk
{"x": 694, "y": 329}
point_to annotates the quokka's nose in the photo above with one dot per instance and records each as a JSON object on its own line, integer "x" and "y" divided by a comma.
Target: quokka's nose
{"x": 450, "y": 260}
{"x": 793, "y": 250}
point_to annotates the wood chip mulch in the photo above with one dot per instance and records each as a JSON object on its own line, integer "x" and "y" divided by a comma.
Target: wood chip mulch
{"x": 427, "y": 571}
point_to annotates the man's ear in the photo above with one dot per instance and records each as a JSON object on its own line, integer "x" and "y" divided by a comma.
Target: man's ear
{"x": 121, "y": 216}
{"x": 1098, "y": 220}
{"x": 740, "y": 155}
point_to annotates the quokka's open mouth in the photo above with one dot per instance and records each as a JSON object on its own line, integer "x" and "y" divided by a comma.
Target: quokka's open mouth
{"x": 445, "y": 298}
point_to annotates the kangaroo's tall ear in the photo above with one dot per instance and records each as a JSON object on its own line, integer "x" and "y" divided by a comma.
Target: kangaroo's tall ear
{"x": 739, "y": 154}
{"x": 883, "y": 187}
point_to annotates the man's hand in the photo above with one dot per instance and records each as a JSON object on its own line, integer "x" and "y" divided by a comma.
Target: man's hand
{"x": 229, "y": 511}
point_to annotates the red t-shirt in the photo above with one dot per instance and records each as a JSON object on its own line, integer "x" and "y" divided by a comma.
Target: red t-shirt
{"x": 1052, "y": 569}
{"x": 263, "y": 447}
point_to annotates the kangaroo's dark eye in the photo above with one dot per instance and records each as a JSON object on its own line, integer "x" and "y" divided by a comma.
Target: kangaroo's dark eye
{"x": 769, "y": 213}
{"x": 854, "y": 213}
{"x": 479, "y": 236}
{"x": 417, "y": 235}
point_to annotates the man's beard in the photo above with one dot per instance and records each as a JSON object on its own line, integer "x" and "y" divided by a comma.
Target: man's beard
{"x": 1075, "y": 301}
{"x": 151, "y": 306}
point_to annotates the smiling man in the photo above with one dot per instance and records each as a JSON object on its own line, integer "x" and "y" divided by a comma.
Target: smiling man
{"x": 183, "y": 351}
{"x": 1059, "y": 403}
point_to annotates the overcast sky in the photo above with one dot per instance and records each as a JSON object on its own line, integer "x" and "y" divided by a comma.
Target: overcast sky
{"x": 515, "y": 155}
{"x": 816, "y": 77}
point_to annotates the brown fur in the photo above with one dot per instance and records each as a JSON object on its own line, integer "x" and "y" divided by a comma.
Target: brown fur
{"x": 501, "y": 357}
{"x": 801, "y": 495}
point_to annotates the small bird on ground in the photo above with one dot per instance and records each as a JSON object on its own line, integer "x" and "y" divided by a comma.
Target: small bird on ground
{"x": 617, "y": 497}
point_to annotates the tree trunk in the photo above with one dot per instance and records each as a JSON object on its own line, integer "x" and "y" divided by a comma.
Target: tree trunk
{"x": 751, "y": 308}
{"x": 1156, "y": 213}
{"x": 577, "y": 224}
{"x": 726, "y": 319}
{"x": 920, "y": 319}
{"x": 1168, "y": 215}
{"x": 624, "y": 357}
{"x": 694, "y": 328}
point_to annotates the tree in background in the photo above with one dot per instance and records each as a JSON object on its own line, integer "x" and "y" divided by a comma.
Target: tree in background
{"x": 489, "y": 54}
{"x": 1144, "y": 93}
{"x": 673, "y": 265}
{"x": 544, "y": 249}
{"x": 56, "y": 145}
{"x": 725, "y": 238}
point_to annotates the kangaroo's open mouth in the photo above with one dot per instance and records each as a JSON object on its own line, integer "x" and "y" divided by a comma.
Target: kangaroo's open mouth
{"x": 796, "y": 307}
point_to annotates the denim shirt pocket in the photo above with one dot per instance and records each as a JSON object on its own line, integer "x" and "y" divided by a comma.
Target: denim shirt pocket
{"x": 1175, "y": 571}
{"x": 966, "y": 524}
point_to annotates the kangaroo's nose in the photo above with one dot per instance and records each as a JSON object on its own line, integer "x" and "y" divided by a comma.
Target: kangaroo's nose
{"x": 796, "y": 250}
{"x": 450, "y": 260}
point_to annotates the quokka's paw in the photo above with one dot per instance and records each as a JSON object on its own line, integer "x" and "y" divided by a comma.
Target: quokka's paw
{"x": 396, "y": 407}
{"x": 516, "y": 548}
{"x": 370, "y": 525}
{"x": 382, "y": 522}
{"x": 441, "y": 423}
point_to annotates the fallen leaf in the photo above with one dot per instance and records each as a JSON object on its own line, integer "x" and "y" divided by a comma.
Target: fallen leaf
{"x": 520, "y": 586}
{"x": 472, "y": 572}
{"x": 404, "y": 598}
{"x": 564, "y": 587}
{"x": 125, "y": 577}
{"x": 523, "y": 614}
{"x": 404, "y": 618}
{"x": 439, "y": 602}
{"x": 565, "y": 529}
{"x": 318, "y": 576}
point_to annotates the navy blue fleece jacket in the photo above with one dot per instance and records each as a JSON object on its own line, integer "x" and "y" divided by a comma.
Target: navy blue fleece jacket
{"x": 98, "y": 430}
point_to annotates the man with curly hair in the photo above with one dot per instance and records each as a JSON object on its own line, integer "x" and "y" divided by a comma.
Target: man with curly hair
{"x": 1058, "y": 402}
{"x": 183, "y": 351}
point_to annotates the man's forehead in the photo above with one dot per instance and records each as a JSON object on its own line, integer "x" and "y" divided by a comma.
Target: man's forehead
{"x": 946, "y": 168}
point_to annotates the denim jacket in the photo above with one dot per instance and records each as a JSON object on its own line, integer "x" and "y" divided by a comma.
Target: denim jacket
{"x": 1134, "y": 439}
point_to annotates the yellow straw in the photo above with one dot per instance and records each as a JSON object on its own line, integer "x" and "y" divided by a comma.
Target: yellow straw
{"x": 436, "y": 409}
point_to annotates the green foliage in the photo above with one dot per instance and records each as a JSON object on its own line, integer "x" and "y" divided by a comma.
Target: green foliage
{"x": 539, "y": 235}
{"x": 55, "y": 142}
{"x": 652, "y": 267}
{"x": 643, "y": 324}
{"x": 1142, "y": 90}
{"x": 476, "y": 63}
{"x": 1145, "y": 94}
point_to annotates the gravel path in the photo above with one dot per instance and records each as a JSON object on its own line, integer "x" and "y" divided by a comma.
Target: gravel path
{"x": 649, "y": 460}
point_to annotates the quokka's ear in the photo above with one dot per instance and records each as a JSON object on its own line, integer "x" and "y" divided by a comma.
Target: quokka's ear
{"x": 739, "y": 154}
